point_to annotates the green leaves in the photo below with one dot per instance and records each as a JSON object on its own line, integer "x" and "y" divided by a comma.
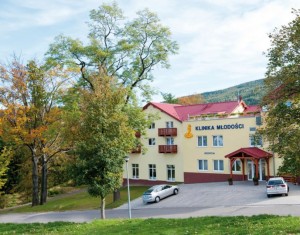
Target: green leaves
{"x": 282, "y": 128}
{"x": 126, "y": 50}
{"x": 106, "y": 134}
{"x": 5, "y": 156}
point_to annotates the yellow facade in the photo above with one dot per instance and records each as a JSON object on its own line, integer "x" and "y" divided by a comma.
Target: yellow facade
{"x": 196, "y": 142}
{"x": 159, "y": 159}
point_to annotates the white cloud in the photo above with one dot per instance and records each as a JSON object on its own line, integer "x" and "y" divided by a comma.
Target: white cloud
{"x": 221, "y": 41}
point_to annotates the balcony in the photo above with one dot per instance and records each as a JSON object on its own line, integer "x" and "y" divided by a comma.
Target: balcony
{"x": 137, "y": 150}
{"x": 167, "y": 131}
{"x": 167, "y": 148}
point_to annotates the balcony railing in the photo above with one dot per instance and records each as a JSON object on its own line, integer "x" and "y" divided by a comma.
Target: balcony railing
{"x": 167, "y": 148}
{"x": 137, "y": 150}
{"x": 167, "y": 131}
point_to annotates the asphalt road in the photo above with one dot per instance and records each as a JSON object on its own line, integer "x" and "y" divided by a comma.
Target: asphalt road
{"x": 193, "y": 200}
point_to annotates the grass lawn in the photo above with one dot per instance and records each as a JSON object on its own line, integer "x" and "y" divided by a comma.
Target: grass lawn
{"x": 262, "y": 224}
{"x": 79, "y": 201}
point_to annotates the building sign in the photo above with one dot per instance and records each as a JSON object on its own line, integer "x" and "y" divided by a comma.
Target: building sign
{"x": 220, "y": 127}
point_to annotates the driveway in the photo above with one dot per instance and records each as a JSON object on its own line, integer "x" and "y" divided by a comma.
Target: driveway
{"x": 193, "y": 200}
{"x": 207, "y": 195}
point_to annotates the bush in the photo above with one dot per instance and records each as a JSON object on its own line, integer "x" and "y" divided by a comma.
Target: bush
{"x": 55, "y": 191}
{"x": 3, "y": 201}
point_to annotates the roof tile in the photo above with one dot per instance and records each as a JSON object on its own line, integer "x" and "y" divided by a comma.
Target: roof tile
{"x": 183, "y": 112}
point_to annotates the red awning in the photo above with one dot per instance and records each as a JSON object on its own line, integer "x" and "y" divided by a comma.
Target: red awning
{"x": 252, "y": 152}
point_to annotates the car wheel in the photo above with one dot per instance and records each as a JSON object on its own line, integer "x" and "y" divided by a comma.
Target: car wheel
{"x": 175, "y": 191}
{"x": 268, "y": 195}
{"x": 286, "y": 194}
{"x": 157, "y": 199}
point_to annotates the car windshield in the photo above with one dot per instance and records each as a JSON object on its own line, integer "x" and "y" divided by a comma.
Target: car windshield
{"x": 275, "y": 182}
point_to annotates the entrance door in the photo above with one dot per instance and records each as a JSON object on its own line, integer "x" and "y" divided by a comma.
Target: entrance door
{"x": 250, "y": 169}
{"x": 262, "y": 169}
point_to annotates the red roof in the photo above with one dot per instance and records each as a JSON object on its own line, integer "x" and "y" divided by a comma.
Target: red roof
{"x": 205, "y": 109}
{"x": 252, "y": 109}
{"x": 250, "y": 152}
{"x": 183, "y": 112}
{"x": 166, "y": 108}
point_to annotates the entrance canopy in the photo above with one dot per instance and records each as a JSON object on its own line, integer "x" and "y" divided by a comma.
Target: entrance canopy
{"x": 251, "y": 153}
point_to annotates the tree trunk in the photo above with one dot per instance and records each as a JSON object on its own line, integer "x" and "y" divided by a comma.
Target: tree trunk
{"x": 102, "y": 206}
{"x": 117, "y": 195}
{"x": 44, "y": 185}
{"x": 35, "y": 181}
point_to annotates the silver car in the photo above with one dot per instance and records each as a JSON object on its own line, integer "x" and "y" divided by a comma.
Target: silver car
{"x": 158, "y": 192}
{"x": 277, "y": 185}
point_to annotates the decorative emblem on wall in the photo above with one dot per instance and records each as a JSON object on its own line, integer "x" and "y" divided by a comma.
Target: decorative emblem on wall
{"x": 188, "y": 134}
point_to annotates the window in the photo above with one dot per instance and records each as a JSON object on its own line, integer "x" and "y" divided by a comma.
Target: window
{"x": 171, "y": 172}
{"x": 152, "y": 171}
{"x": 237, "y": 165}
{"x": 152, "y": 126}
{"x": 217, "y": 140}
{"x": 255, "y": 140}
{"x": 202, "y": 165}
{"x": 151, "y": 141}
{"x": 258, "y": 120}
{"x": 169, "y": 124}
{"x": 135, "y": 171}
{"x": 202, "y": 141}
{"x": 170, "y": 141}
{"x": 218, "y": 165}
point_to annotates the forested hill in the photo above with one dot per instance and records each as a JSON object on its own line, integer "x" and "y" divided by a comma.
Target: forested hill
{"x": 251, "y": 92}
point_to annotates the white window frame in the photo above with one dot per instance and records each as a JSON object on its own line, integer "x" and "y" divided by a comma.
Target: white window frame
{"x": 220, "y": 167}
{"x": 135, "y": 171}
{"x": 202, "y": 143}
{"x": 252, "y": 141}
{"x": 152, "y": 125}
{"x": 235, "y": 165}
{"x": 219, "y": 140}
{"x": 171, "y": 172}
{"x": 152, "y": 171}
{"x": 204, "y": 164}
{"x": 169, "y": 124}
{"x": 169, "y": 141}
{"x": 151, "y": 141}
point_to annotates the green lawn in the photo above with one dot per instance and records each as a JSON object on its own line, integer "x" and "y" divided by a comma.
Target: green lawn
{"x": 79, "y": 201}
{"x": 262, "y": 224}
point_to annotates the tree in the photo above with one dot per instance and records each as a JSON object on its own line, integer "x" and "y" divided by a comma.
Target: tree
{"x": 191, "y": 99}
{"x": 28, "y": 96}
{"x": 126, "y": 50}
{"x": 169, "y": 98}
{"x": 105, "y": 136}
{"x": 282, "y": 128}
{"x": 5, "y": 156}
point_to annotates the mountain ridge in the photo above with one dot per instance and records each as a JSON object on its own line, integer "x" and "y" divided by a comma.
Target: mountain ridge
{"x": 251, "y": 92}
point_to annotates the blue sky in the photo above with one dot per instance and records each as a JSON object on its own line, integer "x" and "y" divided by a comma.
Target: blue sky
{"x": 221, "y": 41}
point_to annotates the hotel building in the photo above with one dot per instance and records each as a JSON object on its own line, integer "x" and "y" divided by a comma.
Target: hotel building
{"x": 202, "y": 143}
